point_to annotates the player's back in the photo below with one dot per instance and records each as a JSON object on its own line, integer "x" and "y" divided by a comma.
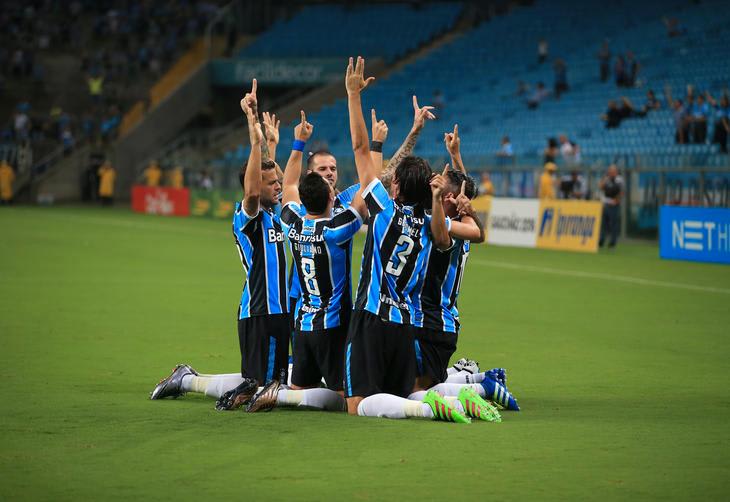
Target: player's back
{"x": 441, "y": 286}
{"x": 322, "y": 253}
{"x": 394, "y": 261}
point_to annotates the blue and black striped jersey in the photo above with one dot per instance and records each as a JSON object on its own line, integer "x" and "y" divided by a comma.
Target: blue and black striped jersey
{"x": 395, "y": 259}
{"x": 260, "y": 243}
{"x": 321, "y": 250}
{"x": 441, "y": 287}
{"x": 342, "y": 202}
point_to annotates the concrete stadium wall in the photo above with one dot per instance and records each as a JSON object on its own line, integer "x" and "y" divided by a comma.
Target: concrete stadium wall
{"x": 161, "y": 125}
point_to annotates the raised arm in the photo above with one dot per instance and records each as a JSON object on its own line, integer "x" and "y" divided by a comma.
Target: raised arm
{"x": 420, "y": 115}
{"x": 252, "y": 179}
{"x": 439, "y": 229}
{"x": 271, "y": 130}
{"x": 380, "y": 133}
{"x": 470, "y": 227}
{"x": 290, "y": 190}
{"x": 453, "y": 145}
{"x": 355, "y": 83}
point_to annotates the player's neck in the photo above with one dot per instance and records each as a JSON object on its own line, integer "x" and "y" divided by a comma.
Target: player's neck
{"x": 320, "y": 216}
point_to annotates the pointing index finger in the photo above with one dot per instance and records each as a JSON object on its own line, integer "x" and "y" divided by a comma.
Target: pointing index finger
{"x": 463, "y": 187}
{"x": 253, "y": 86}
{"x": 446, "y": 170}
{"x": 304, "y": 117}
{"x": 415, "y": 103}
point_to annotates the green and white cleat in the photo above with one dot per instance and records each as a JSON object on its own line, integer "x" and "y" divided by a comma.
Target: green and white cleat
{"x": 478, "y": 407}
{"x": 442, "y": 410}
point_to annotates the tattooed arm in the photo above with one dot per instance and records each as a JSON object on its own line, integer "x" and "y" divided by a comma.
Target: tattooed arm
{"x": 420, "y": 114}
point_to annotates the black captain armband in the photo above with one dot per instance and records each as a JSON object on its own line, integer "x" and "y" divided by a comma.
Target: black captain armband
{"x": 376, "y": 146}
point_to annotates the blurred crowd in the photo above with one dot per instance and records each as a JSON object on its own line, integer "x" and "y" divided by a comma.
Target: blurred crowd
{"x": 120, "y": 47}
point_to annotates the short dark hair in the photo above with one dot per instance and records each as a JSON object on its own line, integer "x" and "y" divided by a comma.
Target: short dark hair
{"x": 413, "y": 175}
{"x": 312, "y": 155}
{"x": 456, "y": 178}
{"x": 315, "y": 193}
{"x": 266, "y": 165}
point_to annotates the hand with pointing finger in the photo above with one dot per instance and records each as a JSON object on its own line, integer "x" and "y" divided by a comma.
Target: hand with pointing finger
{"x": 438, "y": 184}
{"x": 421, "y": 114}
{"x": 380, "y": 128}
{"x": 303, "y": 130}
{"x": 463, "y": 203}
{"x": 452, "y": 141}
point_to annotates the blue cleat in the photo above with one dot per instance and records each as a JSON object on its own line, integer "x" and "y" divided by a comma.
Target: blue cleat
{"x": 498, "y": 374}
{"x": 498, "y": 393}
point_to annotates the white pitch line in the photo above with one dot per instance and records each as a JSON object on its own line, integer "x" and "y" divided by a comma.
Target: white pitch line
{"x": 603, "y": 277}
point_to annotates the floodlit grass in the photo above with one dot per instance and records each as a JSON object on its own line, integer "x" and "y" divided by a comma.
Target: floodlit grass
{"x": 620, "y": 362}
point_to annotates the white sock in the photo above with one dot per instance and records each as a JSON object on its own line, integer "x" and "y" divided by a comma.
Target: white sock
{"x": 464, "y": 377}
{"x": 455, "y": 403}
{"x": 320, "y": 399}
{"x": 451, "y": 370}
{"x": 452, "y": 400}
{"x": 211, "y": 385}
{"x": 390, "y": 406}
{"x": 452, "y": 389}
{"x": 418, "y": 395}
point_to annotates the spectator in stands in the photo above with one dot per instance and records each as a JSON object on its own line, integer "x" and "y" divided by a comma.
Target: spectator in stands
{"x": 569, "y": 151}
{"x": 505, "y": 150}
{"x": 7, "y": 177}
{"x": 550, "y": 153}
{"x": 153, "y": 174}
{"x": 626, "y": 109}
{"x": 542, "y": 51}
{"x": 537, "y": 96}
{"x": 699, "y": 113}
{"x": 176, "y": 177}
{"x": 604, "y": 61}
{"x": 722, "y": 121}
{"x": 21, "y": 124}
{"x": 95, "y": 83}
{"x": 67, "y": 140}
{"x": 619, "y": 70}
{"x": 612, "y": 187}
{"x": 486, "y": 187}
{"x": 674, "y": 29}
{"x": 680, "y": 115}
{"x": 206, "y": 182}
{"x": 652, "y": 103}
{"x": 107, "y": 177}
{"x": 613, "y": 116}
{"x": 631, "y": 70}
{"x": 561, "y": 77}
{"x": 546, "y": 190}
{"x": 572, "y": 186}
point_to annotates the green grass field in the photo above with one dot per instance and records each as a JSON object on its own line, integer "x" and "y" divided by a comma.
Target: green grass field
{"x": 620, "y": 362}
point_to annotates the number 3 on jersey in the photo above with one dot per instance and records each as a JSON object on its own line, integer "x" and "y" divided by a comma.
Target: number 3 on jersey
{"x": 403, "y": 248}
{"x": 309, "y": 281}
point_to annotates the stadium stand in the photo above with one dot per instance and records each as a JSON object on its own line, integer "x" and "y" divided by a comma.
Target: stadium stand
{"x": 478, "y": 74}
{"x": 388, "y": 31}
{"x": 70, "y": 69}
